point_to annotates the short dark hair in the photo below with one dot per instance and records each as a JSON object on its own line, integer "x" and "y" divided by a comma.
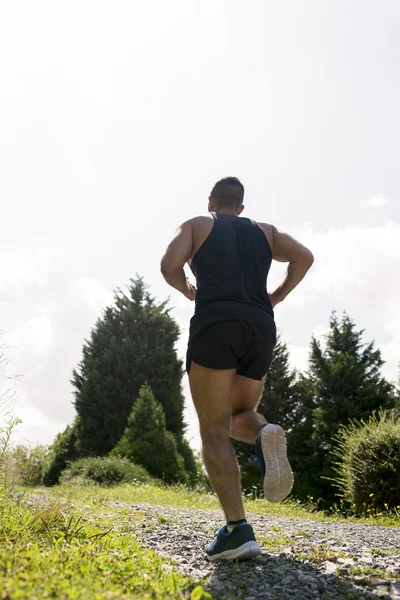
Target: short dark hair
{"x": 228, "y": 192}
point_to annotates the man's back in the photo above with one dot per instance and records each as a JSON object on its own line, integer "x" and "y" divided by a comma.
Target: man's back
{"x": 231, "y": 261}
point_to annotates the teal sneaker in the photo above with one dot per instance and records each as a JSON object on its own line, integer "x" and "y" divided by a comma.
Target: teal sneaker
{"x": 271, "y": 448}
{"x": 240, "y": 543}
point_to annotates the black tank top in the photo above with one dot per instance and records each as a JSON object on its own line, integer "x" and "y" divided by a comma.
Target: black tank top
{"x": 231, "y": 270}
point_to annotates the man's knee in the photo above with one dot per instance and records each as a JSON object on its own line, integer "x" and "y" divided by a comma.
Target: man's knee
{"x": 241, "y": 413}
{"x": 214, "y": 435}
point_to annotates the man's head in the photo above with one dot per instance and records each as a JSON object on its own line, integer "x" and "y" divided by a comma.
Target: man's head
{"x": 227, "y": 196}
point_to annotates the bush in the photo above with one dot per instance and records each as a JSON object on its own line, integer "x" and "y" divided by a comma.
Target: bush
{"x": 368, "y": 465}
{"x": 104, "y": 470}
{"x": 30, "y": 464}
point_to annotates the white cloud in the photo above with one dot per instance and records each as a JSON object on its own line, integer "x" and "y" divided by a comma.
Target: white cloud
{"x": 47, "y": 311}
{"x": 375, "y": 201}
{"x": 355, "y": 269}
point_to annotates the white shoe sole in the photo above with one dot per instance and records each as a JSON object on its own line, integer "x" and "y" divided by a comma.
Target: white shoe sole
{"x": 278, "y": 480}
{"x": 246, "y": 550}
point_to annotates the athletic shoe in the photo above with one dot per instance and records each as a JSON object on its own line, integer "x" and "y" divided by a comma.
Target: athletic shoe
{"x": 277, "y": 473}
{"x": 238, "y": 544}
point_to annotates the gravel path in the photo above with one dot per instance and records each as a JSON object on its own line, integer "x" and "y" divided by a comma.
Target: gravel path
{"x": 301, "y": 559}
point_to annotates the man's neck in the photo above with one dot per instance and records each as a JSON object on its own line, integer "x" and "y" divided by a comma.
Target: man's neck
{"x": 226, "y": 212}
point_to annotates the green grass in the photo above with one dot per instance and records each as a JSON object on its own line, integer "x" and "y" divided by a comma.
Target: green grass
{"x": 276, "y": 543}
{"x": 371, "y": 574}
{"x": 385, "y": 552}
{"x": 182, "y": 497}
{"x": 51, "y": 549}
{"x": 316, "y": 553}
{"x": 319, "y": 553}
{"x": 69, "y": 542}
{"x": 303, "y": 533}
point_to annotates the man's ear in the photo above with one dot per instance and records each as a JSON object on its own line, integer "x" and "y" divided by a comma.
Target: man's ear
{"x": 241, "y": 209}
{"x": 210, "y": 204}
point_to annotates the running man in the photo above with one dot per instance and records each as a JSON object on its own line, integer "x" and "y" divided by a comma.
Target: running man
{"x": 232, "y": 337}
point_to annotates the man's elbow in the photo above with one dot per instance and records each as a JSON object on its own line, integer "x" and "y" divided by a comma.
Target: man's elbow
{"x": 309, "y": 258}
{"x": 166, "y": 268}
{"x": 304, "y": 258}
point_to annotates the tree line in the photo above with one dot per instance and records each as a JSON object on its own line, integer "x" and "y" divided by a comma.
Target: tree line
{"x": 129, "y": 402}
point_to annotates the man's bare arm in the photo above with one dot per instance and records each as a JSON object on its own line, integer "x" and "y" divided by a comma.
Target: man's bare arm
{"x": 177, "y": 254}
{"x": 287, "y": 249}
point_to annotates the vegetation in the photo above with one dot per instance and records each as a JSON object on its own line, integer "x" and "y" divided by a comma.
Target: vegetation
{"x": 132, "y": 343}
{"x": 105, "y": 470}
{"x": 183, "y": 497}
{"x": 344, "y": 383}
{"x": 147, "y": 442}
{"x": 81, "y": 551}
{"x": 29, "y": 465}
{"x": 62, "y": 451}
{"x": 368, "y": 461}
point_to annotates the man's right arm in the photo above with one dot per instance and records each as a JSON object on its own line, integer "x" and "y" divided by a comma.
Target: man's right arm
{"x": 287, "y": 249}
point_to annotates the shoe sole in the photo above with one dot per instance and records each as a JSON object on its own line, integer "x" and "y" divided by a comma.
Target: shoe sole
{"x": 278, "y": 480}
{"x": 246, "y": 550}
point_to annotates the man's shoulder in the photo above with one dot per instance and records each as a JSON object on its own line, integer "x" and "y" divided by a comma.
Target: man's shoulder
{"x": 199, "y": 220}
{"x": 268, "y": 231}
{"x": 266, "y": 227}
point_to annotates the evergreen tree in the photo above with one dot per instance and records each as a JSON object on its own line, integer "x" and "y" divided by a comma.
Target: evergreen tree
{"x": 62, "y": 451}
{"x": 302, "y": 451}
{"x": 344, "y": 383}
{"x": 279, "y": 404}
{"x": 147, "y": 442}
{"x": 192, "y": 464}
{"x": 132, "y": 343}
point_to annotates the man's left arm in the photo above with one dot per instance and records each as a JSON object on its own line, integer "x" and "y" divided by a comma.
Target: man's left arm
{"x": 177, "y": 254}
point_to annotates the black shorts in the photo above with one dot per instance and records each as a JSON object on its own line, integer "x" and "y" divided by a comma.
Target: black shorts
{"x": 233, "y": 345}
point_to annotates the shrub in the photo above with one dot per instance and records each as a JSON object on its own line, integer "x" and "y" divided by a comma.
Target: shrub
{"x": 104, "y": 470}
{"x": 368, "y": 461}
{"x": 30, "y": 464}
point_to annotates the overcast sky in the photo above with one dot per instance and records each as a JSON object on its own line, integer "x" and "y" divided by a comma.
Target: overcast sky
{"x": 116, "y": 118}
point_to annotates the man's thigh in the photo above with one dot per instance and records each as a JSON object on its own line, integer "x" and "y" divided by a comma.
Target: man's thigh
{"x": 246, "y": 394}
{"x": 211, "y": 391}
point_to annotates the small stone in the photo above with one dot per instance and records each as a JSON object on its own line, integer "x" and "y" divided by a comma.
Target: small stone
{"x": 330, "y": 567}
{"x": 218, "y": 585}
{"x": 367, "y": 560}
{"x": 345, "y": 561}
{"x": 394, "y": 569}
